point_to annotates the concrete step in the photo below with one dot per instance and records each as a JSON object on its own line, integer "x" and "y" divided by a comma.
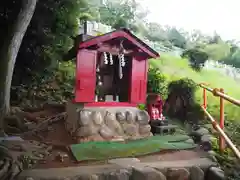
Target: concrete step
{"x": 122, "y": 169}
{"x": 165, "y": 129}
{"x": 66, "y": 173}
{"x": 203, "y": 163}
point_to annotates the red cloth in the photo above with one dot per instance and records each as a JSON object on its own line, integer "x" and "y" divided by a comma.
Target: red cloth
{"x": 155, "y": 112}
{"x": 155, "y": 109}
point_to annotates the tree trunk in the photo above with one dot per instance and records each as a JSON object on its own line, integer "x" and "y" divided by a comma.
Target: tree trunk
{"x": 9, "y": 53}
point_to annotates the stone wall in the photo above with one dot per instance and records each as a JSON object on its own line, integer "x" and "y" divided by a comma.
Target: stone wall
{"x": 107, "y": 172}
{"x": 106, "y": 123}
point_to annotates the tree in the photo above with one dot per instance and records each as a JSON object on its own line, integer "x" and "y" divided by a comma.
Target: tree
{"x": 196, "y": 58}
{"x": 233, "y": 44}
{"x": 217, "y": 51}
{"x": 155, "y": 32}
{"x": 9, "y": 51}
{"x": 195, "y": 38}
{"x": 216, "y": 48}
{"x": 233, "y": 59}
{"x": 48, "y": 38}
{"x": 119, "y": 14}
{"x": 176, "y": 38}
{"x": 216, "y": 39}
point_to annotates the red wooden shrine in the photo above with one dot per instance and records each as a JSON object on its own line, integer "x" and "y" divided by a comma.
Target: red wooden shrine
{"x": 111, "y": 70}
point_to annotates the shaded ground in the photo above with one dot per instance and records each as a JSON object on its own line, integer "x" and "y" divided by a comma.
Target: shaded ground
{"x": 59, "y": 139}
{"x": 53, "y": 134}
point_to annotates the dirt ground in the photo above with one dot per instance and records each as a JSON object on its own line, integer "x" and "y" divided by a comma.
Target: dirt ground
{"x": 59, "y": 139}
{"x": 60, "y": 156}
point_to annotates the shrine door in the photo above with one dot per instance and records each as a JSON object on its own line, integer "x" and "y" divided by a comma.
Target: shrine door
{"x": 85, "y": 76}
{"x": 138, "y": 87}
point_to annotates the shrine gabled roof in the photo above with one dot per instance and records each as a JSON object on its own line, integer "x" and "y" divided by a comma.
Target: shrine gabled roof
{"x": 120, "y": 33}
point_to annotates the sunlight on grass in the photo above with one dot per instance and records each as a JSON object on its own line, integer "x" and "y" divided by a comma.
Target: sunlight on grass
{"x": 175, "y": 68}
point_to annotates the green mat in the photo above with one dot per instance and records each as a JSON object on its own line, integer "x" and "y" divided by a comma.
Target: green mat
{"x": 108, "y": 150}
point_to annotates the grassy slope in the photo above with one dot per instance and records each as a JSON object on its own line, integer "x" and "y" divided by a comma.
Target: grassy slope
{"x": 176, "y": 68}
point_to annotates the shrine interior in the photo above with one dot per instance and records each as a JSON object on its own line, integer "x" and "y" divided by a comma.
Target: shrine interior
{"x": 112, "y": 78}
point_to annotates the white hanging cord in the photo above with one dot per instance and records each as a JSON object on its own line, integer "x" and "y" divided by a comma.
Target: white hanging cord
{"x": 120, "y": 70}
{"x": 122, "y": 60}
{"x": 121, "y": 54}
{"x": 120, "y": 66}
{"x": 105, "y": 58}
{"x": 111, "y": 59}
{"x": 98, "y": 69}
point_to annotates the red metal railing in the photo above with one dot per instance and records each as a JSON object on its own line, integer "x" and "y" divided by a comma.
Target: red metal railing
{"x": 219, "y": 127}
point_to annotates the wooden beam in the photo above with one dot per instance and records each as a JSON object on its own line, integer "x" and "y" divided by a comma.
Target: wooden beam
{"x": 138, "y": 54}
{"x": 114, "y": 50}
{"x": 117, "y": 34}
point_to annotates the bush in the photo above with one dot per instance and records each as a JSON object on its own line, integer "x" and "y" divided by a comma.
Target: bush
{"x": 196, "y": 58}
{"x": 181, "y": 103}
{"x": 233, "y": 59}
{"x": 157, "y": 82}
{"x": 183, "y": 87}
{"x": 141, "y": 106}
{"x": 57, "y": 88}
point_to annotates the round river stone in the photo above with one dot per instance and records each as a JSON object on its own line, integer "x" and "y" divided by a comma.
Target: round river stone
{"x": 196, "y": 173}
{"x": 144, "y": 129}
{"x": 106, "y": 133}
{"x": 178, "y": 174}
{"x": 130, "y": 129}
{"x": 85, "y": 131}
{"x": 109, "y": 117}
{"x": 121, "y": 117}
{"x": 130, "y": 118}
{"x": 97, "y": 118}
{"x": 84, "y": 118}
{"x": 142, "y": 117}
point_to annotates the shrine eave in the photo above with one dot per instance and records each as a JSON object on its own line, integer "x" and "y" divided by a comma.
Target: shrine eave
{"x": 115, "y": 37}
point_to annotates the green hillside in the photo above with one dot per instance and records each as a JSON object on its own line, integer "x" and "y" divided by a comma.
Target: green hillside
{"x": 175, "y": 68}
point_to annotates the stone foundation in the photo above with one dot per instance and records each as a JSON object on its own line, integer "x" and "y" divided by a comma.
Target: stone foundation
{"x": 106, "y": 123}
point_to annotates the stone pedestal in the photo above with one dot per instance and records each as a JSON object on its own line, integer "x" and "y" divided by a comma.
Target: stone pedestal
{"x": 106, "y": 123}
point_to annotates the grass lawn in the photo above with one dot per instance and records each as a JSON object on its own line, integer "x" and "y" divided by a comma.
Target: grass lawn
{"x": 175, "y": 68}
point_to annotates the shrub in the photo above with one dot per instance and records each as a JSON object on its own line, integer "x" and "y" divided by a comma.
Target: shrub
{"x": 57, "y": 88}
{"x": 184, "y": 87}
{"x": 233, "y": 59}
{"x": 157, "y": 82}
{"x": 141, "y": 106}
{"x": 181, "y": 103}
{"x": 196, "y": 58}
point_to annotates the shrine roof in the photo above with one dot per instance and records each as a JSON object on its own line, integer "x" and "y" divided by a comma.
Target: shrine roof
{"x": 118, "y": 35}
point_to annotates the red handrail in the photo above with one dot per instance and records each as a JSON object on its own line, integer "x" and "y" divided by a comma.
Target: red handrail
{"x": 216, "y": 92}
{"x": 220, "y": 127}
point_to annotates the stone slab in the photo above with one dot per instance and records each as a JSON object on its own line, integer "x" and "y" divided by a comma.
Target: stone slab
{"x": 161, "y": 129}
{"x": 67, "y": 172}
{"x": 166, "y": 127}
{"x": 114, "y": 168}
{"x": 200, "y": 162}
{"x": 124, "y": 162}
